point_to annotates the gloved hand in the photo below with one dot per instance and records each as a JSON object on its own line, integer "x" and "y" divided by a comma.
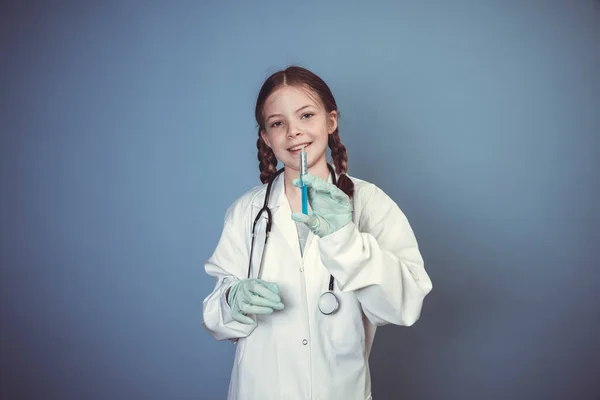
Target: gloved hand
{"x": 253, "y": 296}
{"x": 331, "y": 208}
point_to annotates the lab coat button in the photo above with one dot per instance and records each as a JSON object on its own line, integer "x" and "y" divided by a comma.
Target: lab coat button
{"x": 301, "y": 269}
{"x": 304, "y": 342}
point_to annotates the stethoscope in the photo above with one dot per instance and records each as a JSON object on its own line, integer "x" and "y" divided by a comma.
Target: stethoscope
{"x": 328, "y": 301}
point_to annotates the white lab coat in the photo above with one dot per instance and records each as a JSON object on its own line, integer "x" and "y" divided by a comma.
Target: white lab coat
{"x": 299, "y": 353}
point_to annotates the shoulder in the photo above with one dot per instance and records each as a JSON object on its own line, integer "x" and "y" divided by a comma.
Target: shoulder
{"x": 365, "y": 191}
{"x": 373, "y": 204}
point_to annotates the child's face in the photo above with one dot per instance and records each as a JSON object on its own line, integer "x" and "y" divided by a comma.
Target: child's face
{"x": 292, "y": 118}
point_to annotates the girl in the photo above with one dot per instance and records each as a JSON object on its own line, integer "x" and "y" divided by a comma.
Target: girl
{"x": 304, "y": 306}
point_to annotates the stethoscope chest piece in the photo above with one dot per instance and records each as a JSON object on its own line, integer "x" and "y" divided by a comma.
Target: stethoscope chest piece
{"x": 328, "y": 303}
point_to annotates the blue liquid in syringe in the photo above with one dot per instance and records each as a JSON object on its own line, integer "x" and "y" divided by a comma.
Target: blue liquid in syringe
{"x": 303, "y": 171}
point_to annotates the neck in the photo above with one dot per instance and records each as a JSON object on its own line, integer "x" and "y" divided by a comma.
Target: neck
{"x": 321, "y": 170}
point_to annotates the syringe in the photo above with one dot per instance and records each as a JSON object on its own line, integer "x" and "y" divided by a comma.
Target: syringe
{"x": 303, "y": 171}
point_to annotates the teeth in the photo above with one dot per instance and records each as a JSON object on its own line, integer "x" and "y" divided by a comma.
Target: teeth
{"x": 300, "y": 146}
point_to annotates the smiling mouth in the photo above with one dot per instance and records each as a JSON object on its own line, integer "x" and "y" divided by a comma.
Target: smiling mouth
{"x": 299, "y": 147}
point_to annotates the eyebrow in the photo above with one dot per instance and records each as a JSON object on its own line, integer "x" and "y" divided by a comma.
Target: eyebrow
{"x": 300, "y": 109}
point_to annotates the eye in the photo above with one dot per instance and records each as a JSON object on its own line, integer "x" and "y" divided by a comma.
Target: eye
{"x": 307, "y": 115}
{"x": 275, "y": 124}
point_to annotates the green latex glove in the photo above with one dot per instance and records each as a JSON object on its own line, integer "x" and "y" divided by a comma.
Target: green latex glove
{"x": 331, "y": 208}
{"x": 253, "y": 296}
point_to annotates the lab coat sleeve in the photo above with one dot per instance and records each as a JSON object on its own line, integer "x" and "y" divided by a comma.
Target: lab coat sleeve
{"x": 382, "y": 264}
{"x": 226, "y": 265}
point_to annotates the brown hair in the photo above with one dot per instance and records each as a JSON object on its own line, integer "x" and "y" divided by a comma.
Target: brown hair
{"x": 301, "y": 77}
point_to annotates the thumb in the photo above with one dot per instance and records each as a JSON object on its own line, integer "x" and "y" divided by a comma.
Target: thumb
{"x": 312, "y": 221}
{"x": 300, "y": 217}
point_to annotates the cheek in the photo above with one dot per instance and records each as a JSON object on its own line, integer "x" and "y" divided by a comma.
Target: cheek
{"x": 319, "y": 126}
{"x": 273, "y": 137}
{"x": 278, "y": 140}
{"x": 278, "y": 145}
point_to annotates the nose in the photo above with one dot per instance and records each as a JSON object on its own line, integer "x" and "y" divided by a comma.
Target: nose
{"x": 293, "y": 131}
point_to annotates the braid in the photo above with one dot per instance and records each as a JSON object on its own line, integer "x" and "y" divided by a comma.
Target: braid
{"x": 267, "y": 162}
{"x": 340, "y": 160}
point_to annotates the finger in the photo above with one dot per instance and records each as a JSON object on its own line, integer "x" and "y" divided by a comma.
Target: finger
{"x": 319, "y": 185}
{"x": 265, "y": 292}
{"x": 252, "y": 309}
{"x": 272, "y": 286}
{"x": 241, "y": 318}
{"x": 315, "y": 224}
{"x": 257, "y": 300}
{"x": 334, "y": 191}
{"x": 312, "y": 221}
{"x": 338, "y": 194}
{"x": 314, "y": 181}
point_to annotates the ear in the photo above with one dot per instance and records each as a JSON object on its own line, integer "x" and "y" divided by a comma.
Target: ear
{"x": 264, "y": 137}
{"x": 332, "y": 122}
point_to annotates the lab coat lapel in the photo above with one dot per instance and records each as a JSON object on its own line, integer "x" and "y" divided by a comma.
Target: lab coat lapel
{"x": 283, "y": 224}
{"x": 283, "y": 231}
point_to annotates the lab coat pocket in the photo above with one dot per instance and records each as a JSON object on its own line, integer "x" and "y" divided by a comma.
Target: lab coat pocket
{"x": 346, "y": 325}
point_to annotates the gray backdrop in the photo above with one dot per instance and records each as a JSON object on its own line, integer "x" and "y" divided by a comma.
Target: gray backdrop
{"x": 127, "y": 130}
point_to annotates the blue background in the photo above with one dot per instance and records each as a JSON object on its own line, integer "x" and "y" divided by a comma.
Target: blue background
{"x": 127, "y": 130}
